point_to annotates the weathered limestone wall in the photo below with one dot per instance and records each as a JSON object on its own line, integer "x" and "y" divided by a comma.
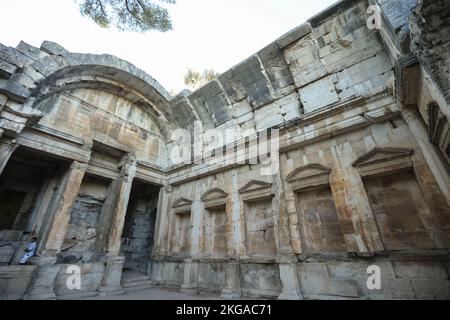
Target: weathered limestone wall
{"x": 363, "y": 119}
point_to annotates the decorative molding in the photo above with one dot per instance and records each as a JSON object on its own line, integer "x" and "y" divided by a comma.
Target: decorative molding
{"x": 214, "y": 198}
{"x": 256, "y": 189}
{"x": 58, "y": 134}
{"x": 307, "y": 171}
{"x": 381, "y": 154}
{"x": 212, "y": 194}
{"x": 382, "y": 160}
{"x": 254, "y": 185}
{"x": 182, "y": 206}
{"x": 311, "y": 175}
{"x": 181, "y": 202}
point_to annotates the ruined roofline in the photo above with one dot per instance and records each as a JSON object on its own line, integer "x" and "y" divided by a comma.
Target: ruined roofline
{"x": 52, "y": 59}
{"x": 286, "y": 39}
{"x": 121, "y": 64}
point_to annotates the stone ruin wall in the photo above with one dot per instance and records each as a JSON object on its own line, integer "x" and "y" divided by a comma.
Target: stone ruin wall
{"x": 359, "y": 184}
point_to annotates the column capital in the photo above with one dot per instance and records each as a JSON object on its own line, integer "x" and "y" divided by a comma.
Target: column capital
{"x": 75, "y": 165}
{"x": 128, "y": 167}
{"x": 8, "y": 143}
{"x": 409, "y": 113}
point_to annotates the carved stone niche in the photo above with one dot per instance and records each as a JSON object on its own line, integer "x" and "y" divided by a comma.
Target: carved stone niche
{"x": 181, "y": 232}
{"x": 215, "y": 223}
{"x": 384, "y": 160}
{"x": 214, "y": 198}
{"x": 317, "y": 214}
{"x": 257, "y": 199}
{"x": 309, "y": 176}
{"x": 182, "y": 206}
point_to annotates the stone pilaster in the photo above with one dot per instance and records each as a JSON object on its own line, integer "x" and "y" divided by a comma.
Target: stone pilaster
{"x": 7, "y": 147}
{"x": 289, "y": 278}
{"x": 235, "y": 220}
{"x": 232, "y": 284}
{"x": 162, "y": 222}
{"x": 61, "y": 208}
{"x": 285, "y": 245}
{"x": 354, "y": 212}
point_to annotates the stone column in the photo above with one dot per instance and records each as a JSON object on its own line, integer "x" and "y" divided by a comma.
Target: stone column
{"x": 122, "y": 196}
{"x": 42, "y": 284}
{"x": 114, "y": 262}
{"x": 61, "y": 208}
{"x": 232, "y": 282}
{"x": 429, "y": 152}
{"x": 289, "y": 279}
{"x": 7, "y": 147}
{"x": 190, "y": 283}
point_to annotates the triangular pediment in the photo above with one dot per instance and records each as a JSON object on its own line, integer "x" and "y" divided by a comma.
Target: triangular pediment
{"x": 382, "y": 154}
{"x": 308, "y": 171}
{"x": 181, "y": 202}
{"x": 214, "y": 194}
{"x": 255, "y": 185}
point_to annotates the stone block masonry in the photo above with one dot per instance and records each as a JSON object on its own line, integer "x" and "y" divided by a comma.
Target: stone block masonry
{"x": 362, "y": 183}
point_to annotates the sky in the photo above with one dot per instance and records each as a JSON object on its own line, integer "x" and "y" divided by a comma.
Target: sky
{"x": 206, "y": 34}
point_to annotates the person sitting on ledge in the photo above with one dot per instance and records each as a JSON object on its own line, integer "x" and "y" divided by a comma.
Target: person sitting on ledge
{"x": 29, "y": 251}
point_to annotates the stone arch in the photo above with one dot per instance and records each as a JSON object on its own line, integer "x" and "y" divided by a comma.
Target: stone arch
{"x": 52, "y": 69}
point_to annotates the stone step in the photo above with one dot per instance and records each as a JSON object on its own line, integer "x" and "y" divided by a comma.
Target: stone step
{"x": 137, "y": 284}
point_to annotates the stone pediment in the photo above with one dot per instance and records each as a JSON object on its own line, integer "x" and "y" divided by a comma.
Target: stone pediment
{"x": 181, "y": 202}
{"x": 308, "y": 171}
{"x": 255, "y": 185}
{"x": 214, "y": 194}
{"x": 378, "y": 155}
{"x": 311, "y": 175}
{"x": 255, "y": 190}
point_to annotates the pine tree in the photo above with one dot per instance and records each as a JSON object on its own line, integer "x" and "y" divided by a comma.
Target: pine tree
{"x": 128, "y": 15}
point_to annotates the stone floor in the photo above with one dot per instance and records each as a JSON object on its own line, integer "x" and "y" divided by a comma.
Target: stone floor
{"x": 156, "y": 294}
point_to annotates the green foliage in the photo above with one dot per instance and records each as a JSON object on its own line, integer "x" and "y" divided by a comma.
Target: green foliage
{"x": 194, "y": 79}
{"x": 128, "y": 15}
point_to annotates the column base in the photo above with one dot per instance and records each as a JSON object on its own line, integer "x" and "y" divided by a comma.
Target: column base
{"x": 290, "y": 296}
{"x": 230, "y": 294}
{"x": 40, "y": 296}
{"x": 189, "y": 291}
{"x": 107, "y": 291}
{"x": 42, "y": 284}
{"x": 111, "y": 284}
